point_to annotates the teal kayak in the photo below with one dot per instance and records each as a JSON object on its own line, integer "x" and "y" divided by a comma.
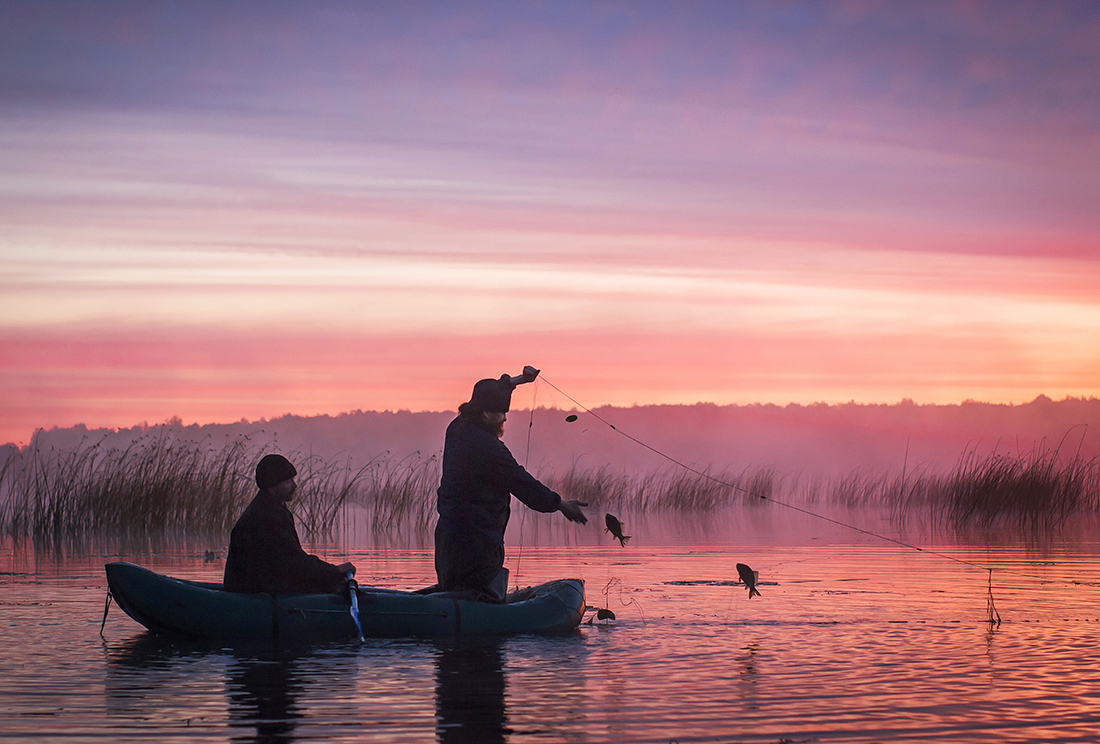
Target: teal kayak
{"x": 202, "y": 610}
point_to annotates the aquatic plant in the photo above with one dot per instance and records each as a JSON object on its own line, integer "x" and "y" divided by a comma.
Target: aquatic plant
{"x": 164, "y": 483}
{"x": 1037, "y": 490}
{"x": 325, "y": 487}
{"x": 674, "y": 489}
{"x": 1034, "y": 491}
{"x": 154, "y": 484}
{"x": 402, "y": 493}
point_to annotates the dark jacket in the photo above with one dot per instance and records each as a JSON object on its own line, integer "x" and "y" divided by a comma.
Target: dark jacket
{"x": 479, "y": 478}
{"x": 266, "y": 556}
{"x": 474, "y": 503}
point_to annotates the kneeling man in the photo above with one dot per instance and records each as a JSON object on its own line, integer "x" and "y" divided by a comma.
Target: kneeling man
{"x": 480, "y": 476}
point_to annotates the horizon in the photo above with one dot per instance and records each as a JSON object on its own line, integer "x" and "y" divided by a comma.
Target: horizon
{"x": 794, "y": 441}
{"x": 177, "y": 421}
{"x": 238, "y": 212}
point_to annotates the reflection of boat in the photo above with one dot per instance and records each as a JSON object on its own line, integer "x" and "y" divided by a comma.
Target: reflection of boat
{"x": 202, "y": 610}
{"x": 263, "y": 695}
{"x": 470, "y": 691}
{"x": 263, "y": 686}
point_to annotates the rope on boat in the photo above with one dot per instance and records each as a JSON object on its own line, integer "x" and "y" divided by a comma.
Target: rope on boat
{"x": 570, "y": 610}
{"x": 106, "y": 609}
{"x": 316, "y": 611}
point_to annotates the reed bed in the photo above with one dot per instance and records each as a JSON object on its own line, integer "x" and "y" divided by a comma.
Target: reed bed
{"x": 325, "y": 488}
{"x": 664, "y": 490}
{"x": 161, "y": 485}
{"x": 1036, "y": 491}
{"x": 402, "y": 494}
{"x": 155, "y": 484}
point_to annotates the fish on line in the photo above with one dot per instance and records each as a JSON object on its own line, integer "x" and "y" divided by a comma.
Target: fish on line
{"x": 749, "y": 579}
{"x": 615, "y": 527}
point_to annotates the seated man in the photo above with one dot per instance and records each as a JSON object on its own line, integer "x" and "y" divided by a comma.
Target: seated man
{"x": 474, "y": 497}
{"x": 264, "y": 552}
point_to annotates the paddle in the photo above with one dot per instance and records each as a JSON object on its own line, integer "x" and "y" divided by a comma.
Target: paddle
{"x": 353, "y": 592}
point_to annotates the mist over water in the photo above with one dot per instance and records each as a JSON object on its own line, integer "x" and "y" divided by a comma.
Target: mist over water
{"x": 796, "y": 441}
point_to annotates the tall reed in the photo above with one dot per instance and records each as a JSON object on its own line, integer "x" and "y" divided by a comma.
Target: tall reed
{"x": 1039, "y": 490}
{"x": 162, "y": 484}
{"x": 154, "y": 484}
{"x": 665, "y": 490}
{"x": 325, "y": 489}
{"x": 159, "y": 485}
{"x": 402, "y": 493}
{"x": 1035, "y": 491}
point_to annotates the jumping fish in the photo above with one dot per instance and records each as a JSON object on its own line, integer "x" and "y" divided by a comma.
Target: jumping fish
{"x": 748, "y": 578}
{"x": 615, "y": 527}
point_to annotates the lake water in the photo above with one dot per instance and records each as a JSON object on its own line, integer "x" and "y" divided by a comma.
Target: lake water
{"x": 854, "y": 640}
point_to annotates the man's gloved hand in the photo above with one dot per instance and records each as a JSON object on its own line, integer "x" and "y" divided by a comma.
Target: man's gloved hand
{"x": 529, "y": 375}
{"x": 572, "y": 511}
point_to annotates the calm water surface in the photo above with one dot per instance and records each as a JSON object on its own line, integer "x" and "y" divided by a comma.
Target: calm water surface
{"x": 853, "y": 640}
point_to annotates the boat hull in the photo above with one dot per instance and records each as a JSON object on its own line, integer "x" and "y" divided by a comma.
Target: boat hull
{"x": 166, "y": 605}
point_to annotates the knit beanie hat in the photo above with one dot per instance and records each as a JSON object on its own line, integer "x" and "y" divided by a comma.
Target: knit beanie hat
{"x": 492, "y": 395}
{"x": 273, "y": 470}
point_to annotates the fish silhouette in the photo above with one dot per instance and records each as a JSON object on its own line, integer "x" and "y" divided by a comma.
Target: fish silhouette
{"x": 615, "y": 527}
{"x": 748, "y": 578}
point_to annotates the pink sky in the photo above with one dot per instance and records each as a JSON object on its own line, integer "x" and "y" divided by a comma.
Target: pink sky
{"x": 238, "y": 213}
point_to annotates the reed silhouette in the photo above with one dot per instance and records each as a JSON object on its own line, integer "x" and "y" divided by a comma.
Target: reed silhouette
{"x": 160, "y": 484}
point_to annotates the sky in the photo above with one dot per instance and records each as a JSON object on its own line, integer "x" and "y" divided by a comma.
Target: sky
{"x": 225, "y": 211}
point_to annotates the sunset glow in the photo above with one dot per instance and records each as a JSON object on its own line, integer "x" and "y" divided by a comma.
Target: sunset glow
{"x": 238, "y": 212}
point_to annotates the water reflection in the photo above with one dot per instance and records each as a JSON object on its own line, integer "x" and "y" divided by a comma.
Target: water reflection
{"x": 469, "y": 691}
{"x": 262, "y": 686}
{"x": 748, "y": 677}
{"x": 263, "y": 694}
{"x": 144, "y": 677}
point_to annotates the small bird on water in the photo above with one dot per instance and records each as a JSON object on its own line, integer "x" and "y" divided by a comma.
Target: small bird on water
{"x": 748, "y": 578}
{"x": 615, "y": 527}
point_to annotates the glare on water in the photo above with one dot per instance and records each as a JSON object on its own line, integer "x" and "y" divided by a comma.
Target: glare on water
{"x": 853, "y": 639}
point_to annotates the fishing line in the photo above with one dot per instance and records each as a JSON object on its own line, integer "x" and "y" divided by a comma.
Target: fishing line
{"x": 807, "y": 512}
{"x": 526, "y": 459}
{"x": 617, "y": 582}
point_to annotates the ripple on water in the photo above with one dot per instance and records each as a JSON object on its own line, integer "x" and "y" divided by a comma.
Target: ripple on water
{"x": 847, "y": 643}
